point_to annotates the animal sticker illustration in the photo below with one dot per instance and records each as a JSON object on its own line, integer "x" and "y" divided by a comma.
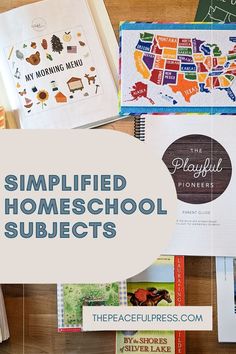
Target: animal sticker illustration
{"x": 91, "y": 79}
{"x": 22, "y": 93}
{"x": 34, "y": 59}
{"x": 53, "y": 70}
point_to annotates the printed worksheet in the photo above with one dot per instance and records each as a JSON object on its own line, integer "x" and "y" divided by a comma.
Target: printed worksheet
{"x": 54, "y": 67}
{"x": 200, "y": 154}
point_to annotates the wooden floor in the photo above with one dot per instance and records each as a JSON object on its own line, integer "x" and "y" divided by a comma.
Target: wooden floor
{"x": 32, "y": 308}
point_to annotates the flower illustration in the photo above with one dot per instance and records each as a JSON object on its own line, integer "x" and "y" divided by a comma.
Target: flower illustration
{"x": 42, "y": 96}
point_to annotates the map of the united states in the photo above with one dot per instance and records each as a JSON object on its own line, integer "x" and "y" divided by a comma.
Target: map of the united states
{"x": 187, "y": 65}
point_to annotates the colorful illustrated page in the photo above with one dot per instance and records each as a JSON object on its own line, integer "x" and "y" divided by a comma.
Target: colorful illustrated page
{"x": 53, "y": 70}
{"x": 54, "y": 67}
{"x": 178, "y": 68}
{"x": 72, "y": 297}
{"x": 77, "y": 295}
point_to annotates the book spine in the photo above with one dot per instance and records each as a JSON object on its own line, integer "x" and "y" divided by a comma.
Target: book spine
{"x": 69, "y": 330}
{"x": 139, "y": 128}
{"x": 180, "y": 345}
{"x": 2, "y": 118}
{"x": 123, "y": 300}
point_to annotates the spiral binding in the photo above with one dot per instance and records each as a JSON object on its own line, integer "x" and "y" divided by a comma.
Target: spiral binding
{"x": 139, "y": 128}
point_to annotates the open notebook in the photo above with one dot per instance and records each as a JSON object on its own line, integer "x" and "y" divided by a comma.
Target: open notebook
{"x": 58, "y": 64}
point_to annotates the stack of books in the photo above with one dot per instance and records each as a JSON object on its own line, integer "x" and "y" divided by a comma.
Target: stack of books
{"x": 162, "y": 284}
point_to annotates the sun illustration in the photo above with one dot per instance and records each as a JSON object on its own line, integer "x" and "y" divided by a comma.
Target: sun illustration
{"x": 42, "y": 96}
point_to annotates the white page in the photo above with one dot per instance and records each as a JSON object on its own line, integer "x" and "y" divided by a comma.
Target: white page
{"x": 226, "y": 295}
{"x": 25, "y": 37}
{"x": 4, "y": 331}
{"x": 204, "y": 226}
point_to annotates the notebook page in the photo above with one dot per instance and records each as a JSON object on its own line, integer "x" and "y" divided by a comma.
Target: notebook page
{"x": 200, "y": 153}
{"x": 226, "y": 299}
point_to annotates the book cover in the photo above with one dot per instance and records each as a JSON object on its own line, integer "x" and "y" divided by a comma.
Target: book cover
{"x": 55, "y": 65}
{"x": 216, "y": 11}
{"x": 177, "y": 68}
{"x": 162, "y": 284}
{"x": 72, "y": 297}
{"x": 200, "y": 153}
{"x": 226, "y": 298}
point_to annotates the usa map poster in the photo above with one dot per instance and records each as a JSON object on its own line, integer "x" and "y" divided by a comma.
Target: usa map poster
{"x": 178, "y": 68}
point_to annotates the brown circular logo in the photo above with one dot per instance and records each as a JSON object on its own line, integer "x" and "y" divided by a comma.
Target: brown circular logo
{"x": 200, "y": 167}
